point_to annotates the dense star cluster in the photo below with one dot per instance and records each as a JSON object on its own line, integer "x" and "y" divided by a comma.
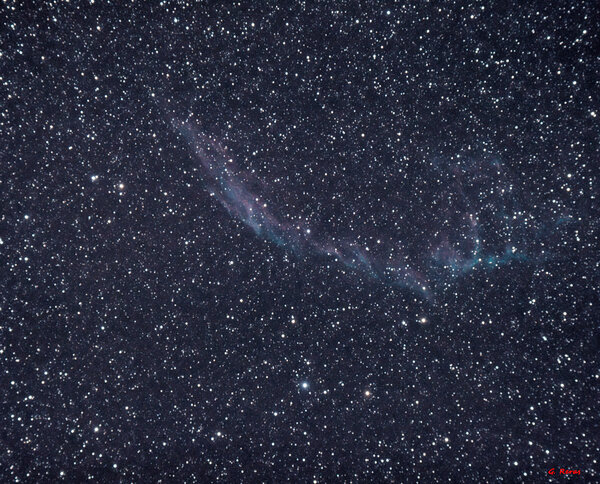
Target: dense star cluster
{"x": 299, "y": 241}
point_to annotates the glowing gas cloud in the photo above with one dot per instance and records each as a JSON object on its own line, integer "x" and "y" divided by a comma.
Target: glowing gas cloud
{"x": 478, "y": 222}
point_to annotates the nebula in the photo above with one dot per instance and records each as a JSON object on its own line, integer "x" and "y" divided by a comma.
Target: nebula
{"x": 469, "y": 216}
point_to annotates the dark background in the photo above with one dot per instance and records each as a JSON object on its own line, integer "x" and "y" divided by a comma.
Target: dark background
{"x": 146, "y": 334}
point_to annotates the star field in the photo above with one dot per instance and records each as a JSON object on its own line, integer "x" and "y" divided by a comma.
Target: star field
{"x": 299, "y": 241}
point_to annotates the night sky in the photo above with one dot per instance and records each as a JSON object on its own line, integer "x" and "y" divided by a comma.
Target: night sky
{"x": 299, "y": 241}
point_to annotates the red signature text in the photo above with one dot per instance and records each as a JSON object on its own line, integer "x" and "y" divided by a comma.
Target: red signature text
{"x": 564, "y": 471}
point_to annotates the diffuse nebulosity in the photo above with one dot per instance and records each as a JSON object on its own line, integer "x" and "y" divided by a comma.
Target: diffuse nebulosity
{"x": 468, "y": 215}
